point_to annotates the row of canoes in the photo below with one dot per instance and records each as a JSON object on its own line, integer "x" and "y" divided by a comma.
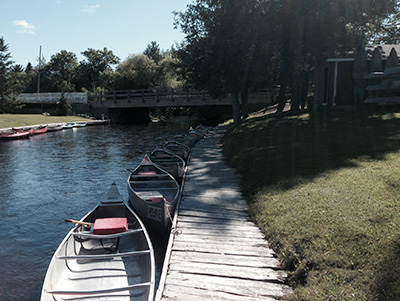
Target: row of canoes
{"x": 108, "y": 255}
{"x": 24, "y": 133}
{"x": 154, "y": 186}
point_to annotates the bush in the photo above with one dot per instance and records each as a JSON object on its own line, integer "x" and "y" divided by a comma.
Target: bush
{"x": 63, "y": 106}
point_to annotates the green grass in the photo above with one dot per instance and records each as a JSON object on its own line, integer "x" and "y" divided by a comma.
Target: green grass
{"x": 16, "y": 120}
{"x": 326, "y": 192}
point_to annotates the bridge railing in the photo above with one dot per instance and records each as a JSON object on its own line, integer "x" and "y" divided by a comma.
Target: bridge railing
{"x": 54, "y": 97}
{"x": 145, "y": 94}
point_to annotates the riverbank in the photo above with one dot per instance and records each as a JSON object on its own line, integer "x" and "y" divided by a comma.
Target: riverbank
{"x": 325, "y": 191}
{"x": 8, "y": 121}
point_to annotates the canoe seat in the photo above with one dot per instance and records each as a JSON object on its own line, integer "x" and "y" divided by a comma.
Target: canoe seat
{"x": 147, "y": 173}
{"x": 106, "y": 236}
{"x": 159, "y": 199}
{"x": 104, "y": 291}
{"x": 111, "y": 225}
{"x": 104, "y": 256}
{"x": 154, "y": 188}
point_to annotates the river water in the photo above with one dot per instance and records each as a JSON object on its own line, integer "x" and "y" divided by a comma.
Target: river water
{"x": 59, "y": 175}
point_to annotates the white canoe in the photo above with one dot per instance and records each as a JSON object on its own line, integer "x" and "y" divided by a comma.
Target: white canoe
{"x": 117, "y": 266}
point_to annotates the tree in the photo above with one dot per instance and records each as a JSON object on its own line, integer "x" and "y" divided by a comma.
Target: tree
{"x": 63, "y": 106}
{"x": 94, "y": 70}
{"x": 386, "y": 32}
{"x": 168, "y": 73}
{"x": 221, "y": 50}
{"x": 62, "y": 70}
{"x": 136, "y": 72}
{"x": 309, "y": 31}
{"x": 5, "y": 75}
{"x": 153, "y": 51}
{"x": 19, "y": 79}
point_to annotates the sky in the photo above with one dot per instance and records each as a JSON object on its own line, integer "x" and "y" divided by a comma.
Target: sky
{"x": 123, "y": 26}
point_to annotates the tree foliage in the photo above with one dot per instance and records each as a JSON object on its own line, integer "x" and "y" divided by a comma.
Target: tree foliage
{"x": 153, "y": 51}
{"x": 94, "y": 70}
{"x": 6, "y": 76}
{"x": 136, "y": 72}
{"x": 229, "y": 43}
{"x": 62, "y": 71}
{"x": 222, "y": 46}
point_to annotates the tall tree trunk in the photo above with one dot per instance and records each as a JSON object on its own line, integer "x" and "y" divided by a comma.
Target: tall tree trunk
{"x": 236, "y": 108}
{"x": 245, "y": 103}
{"x": 319, "y": 86}
{"x": 296, "y": 87}
{"x": 282, "y": 96}
{"x": 304, "y": 89}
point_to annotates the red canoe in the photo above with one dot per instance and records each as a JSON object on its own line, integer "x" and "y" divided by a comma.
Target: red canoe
{"x": 40, "y": 130}
{"x": 16, "y": 135}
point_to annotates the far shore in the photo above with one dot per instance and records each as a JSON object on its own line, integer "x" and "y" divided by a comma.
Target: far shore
{"x": 9, "y": 121}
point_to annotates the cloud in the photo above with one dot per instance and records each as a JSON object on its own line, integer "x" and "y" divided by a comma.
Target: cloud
{"x": 24, "y": 27}
{"x": 90, "y": 9}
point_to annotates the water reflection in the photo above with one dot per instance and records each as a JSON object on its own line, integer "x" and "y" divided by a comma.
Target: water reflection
{"x": 59, "y": 175}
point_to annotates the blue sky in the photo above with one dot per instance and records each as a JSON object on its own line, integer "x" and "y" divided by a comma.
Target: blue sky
{"x": 123, "y": 26}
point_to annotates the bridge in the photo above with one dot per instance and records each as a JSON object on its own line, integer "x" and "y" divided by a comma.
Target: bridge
{"x": 112, "y": 103}
{"x": 164, "y": 98}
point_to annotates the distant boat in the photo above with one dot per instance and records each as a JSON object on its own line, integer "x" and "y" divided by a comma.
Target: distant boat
{"x": 55, "y": 127}
{"x": 79, "y": 124}
{"x": 40, "y": 130}
{"x": 16, "y": 134}
{"x": 68, "y": 125}
{"x": 108, "y": 255}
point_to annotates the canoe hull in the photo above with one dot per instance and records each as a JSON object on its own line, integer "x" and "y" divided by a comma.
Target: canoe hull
{"x": 170, "y": 162}
{"x": 153, "y": 193}
{"x": 119, "y": 267}
{"x": 15, "y": 136}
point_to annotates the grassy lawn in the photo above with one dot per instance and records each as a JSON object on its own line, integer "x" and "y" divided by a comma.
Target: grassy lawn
{"x": 16, "y": 120}
{"x": 326, "y": 192}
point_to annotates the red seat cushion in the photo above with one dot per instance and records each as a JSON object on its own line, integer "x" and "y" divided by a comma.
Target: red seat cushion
{"x": 147, "y": 173}
{"x": 110, "y": 225}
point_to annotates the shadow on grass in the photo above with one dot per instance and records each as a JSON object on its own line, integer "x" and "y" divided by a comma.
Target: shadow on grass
{"x": 305, "y": 146}
{"x": 387, "y": 278}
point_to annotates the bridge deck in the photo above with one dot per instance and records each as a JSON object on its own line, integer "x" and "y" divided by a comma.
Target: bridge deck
{"x": 217, "y": 252}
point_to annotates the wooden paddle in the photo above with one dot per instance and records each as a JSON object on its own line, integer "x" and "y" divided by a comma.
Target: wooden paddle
{"x": 78, "y": 222}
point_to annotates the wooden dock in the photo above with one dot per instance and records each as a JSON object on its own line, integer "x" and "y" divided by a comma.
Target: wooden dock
{"x": 215, "y": 252}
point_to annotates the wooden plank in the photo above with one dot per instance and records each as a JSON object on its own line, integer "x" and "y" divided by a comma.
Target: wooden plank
{"x": 210, "y": 205}
{"x": 203, "y": 212}
{"x": 218, "y": 239}
{"x": 220, "y": 227}
{"x": 247, "y": 233}
{"x": 225, "y": 270}
{"x": 238, "y": 260}
{"x": 220, "y": 220}
{"x": 194, "y": 293}
{"x": 244, "y": 287}
{"x": 222, "y": 249}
